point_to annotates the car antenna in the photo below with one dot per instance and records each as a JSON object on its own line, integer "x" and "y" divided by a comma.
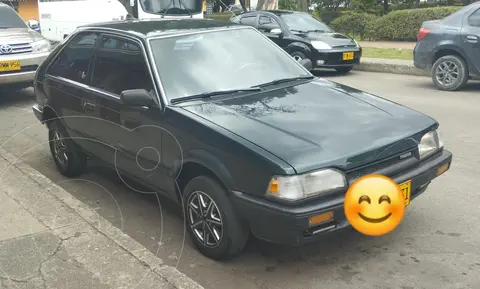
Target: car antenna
{"x": 181, "y": 3}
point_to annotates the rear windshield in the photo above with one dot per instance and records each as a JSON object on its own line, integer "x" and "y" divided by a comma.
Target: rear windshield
{"x": 10, "y": 19}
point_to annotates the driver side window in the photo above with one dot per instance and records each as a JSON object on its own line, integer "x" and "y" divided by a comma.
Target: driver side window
{"x": 266, "y": 24}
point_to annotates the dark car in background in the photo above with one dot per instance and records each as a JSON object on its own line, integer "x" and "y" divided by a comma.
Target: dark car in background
{"x": 305, "y": 37}
{"x": 449, "y": 48}
{"x": 246, "y": 143}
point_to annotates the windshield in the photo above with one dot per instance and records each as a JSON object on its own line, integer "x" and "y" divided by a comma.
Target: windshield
{"x": 175, "y": 7}
{"x": 303, "y": 22}
{"x": 219, "y": 60}
{"x": 10, "y": 19}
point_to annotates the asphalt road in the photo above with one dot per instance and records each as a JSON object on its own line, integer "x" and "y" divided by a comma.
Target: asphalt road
{"x": 436, "y": 246}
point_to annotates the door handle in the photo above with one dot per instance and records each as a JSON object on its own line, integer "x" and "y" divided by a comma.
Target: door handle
{"x": 87, "y": 106}
{"x": 472, "y": 39}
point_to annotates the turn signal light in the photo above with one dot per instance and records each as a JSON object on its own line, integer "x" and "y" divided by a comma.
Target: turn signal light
{"x": 321, "y": 218}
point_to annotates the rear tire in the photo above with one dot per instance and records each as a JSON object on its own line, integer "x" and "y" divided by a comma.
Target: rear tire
{"x": 211, "y": 220}
{"x": 68, "y": 157}
{"x": 344, "y": 70}
{"x": 450, "y": 73}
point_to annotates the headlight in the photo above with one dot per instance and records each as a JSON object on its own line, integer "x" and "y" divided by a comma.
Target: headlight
{"x": 429, "y": 144}
{"x": 41, "y": 46}
{"x": 303, "y": 186}
{"x": 320, "y": 45}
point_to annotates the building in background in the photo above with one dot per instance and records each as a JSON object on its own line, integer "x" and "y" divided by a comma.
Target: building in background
{"x": 27, "y": 9}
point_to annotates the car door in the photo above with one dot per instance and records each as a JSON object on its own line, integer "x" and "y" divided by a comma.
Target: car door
{"x": 266, "y": 24}
{"x": 132, "y": 135}
{"x": 471, "y": 37}
{"x": 66, "y": 85}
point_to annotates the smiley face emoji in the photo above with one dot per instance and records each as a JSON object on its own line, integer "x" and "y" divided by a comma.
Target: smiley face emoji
{"x": 374, "y": 205}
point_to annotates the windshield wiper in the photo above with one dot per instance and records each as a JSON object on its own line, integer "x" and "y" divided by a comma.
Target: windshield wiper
{"x": 277, "y": 81}
{"x": 296, "y": 30}
{"x": 317, "y": 30}
{"x": 213, "y": 93}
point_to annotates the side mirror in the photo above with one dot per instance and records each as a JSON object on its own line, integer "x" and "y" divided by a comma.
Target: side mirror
{"x": 276, "y": 31}
{"x": 307, "y": 63}
{"x": 136, "y": 97}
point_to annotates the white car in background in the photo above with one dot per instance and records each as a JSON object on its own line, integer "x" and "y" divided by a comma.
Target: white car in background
{"x": 22, "y": 50}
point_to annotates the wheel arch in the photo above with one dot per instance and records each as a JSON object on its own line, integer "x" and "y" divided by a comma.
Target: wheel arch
{"x": 201, "y": 162}
{"x": 298, "y": 46}
{"x": 451, "y": 49}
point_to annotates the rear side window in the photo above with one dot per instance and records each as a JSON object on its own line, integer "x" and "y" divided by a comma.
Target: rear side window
{"x": 119, "y": 65}
{"x": 249, "y": 20}
{"x": 10, "y": 19}
{"x": 73, "y": 62}
{"x": 474, "y": 19}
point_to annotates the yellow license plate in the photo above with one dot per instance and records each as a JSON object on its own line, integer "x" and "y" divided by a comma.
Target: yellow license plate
{"x": 406, "y": 191}
{"x": 9, "y": 65}
{"x": 348, "y": 56}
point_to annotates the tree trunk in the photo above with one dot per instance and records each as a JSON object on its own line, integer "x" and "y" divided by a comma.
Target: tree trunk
{"x": 385, "y": 6}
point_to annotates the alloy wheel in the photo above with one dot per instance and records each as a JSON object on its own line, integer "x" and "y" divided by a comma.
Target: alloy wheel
{"x": 204, "y": 219}
{"x": 60, "y": 148}
{"x": 447, "y": 73}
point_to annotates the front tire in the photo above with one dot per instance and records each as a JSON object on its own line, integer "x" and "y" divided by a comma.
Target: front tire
{"x": 450, "y": 73}
{"x": 68, "y": 157}
{"x": 211, "y": 220}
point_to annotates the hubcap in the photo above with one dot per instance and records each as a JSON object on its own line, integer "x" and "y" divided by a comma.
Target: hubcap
{"x": 60, "y": 148}
{"x": 297, "y": 58}
{"x": 205, "y": 220}
{"x": 447, "y": 73}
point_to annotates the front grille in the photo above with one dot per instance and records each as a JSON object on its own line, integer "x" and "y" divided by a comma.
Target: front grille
{"x": 25, "y": 68}
{"x": 19, "y": 48}
{"x": 345, "y": 46}
{"x": 356, "y": 173}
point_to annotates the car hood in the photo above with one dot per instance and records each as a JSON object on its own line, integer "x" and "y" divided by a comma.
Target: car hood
{"x": 335, "y": 40}
{"x": 19, "y": 35}
{"x": 319, "y": 124}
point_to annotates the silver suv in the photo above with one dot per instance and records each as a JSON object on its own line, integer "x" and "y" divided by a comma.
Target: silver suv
{"x": 22, "y": 50}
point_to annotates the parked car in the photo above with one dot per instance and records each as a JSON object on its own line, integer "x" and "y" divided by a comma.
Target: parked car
{"x": 22, "y": 50}
{"x": 450, "y": 48}
{"x": 269, "y": 151}
{"x": 305, "y": 37}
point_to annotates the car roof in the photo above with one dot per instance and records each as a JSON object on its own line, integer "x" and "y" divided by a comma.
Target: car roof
{"x": 5, "y": 5}
{"x": 147, "y": 28}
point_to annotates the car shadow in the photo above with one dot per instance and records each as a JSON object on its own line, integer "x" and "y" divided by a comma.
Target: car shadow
{"x": 16, "y": 97}
{"x": 331, "y": 73}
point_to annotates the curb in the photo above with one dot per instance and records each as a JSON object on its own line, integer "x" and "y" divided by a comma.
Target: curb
{"x": 170, "y": 274}
{"x": 372, "y": 65}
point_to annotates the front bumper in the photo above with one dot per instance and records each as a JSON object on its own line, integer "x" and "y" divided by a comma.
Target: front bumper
{"x": 289, "y": 225}
{"x": 29, "y": 63}
{"x": 334, "y": 58}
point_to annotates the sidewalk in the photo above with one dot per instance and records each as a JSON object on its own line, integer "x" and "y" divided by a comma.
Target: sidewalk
{"x": 49, "y": 239}
{"x": 387, "y": 44}
{"x": 395, "y": 66}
